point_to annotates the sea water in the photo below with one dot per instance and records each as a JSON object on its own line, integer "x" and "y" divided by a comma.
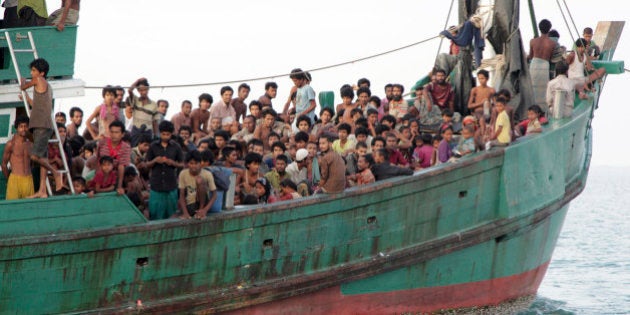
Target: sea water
{"x": 590, "y": 268}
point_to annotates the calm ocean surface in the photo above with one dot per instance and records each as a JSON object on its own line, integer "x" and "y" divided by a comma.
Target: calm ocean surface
{"x": 590, "y": 269}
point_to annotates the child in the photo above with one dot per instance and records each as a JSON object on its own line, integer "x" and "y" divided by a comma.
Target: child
{"x": 288, "y": 190}
{"x": 185, "y": 132}
{"x": 502, "y": 127}
{"x": 364, "y": 165}
{"x": 423, "y": 153}
{"x": 352, "y": 162}
{"x": 447, "y": 119}
{"x": 467, "y": 142}
{"x": 533, "y": 126}
{"x": 40, "y": 123}
{"x": 105, "y": 180}
{"x": 197, "y": 191}
{"x": 263, "y": 191}
{"x": 80, "y": 187}
{"x": 324, "y": 125}
{"x": 479, "y": 100}
{"x": 344, "y": 145}
{"x": 104, "y": 114}
{"x": 444, "y": 149}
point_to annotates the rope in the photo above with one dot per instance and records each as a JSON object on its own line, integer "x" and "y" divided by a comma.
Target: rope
{"x": 448, "y": 17}
{"x": 571, "y": 17}
{"x": 626, "y": 69}
{"x": 565, "y": 20}
{"x": 284, "y": 74}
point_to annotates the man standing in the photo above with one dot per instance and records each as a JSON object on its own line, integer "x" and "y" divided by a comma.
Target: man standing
{"x": 305, "y": 97}
{"x": 76, "y": 119}
{"x": 332, "y": 167}
{"x": 165, "y": 157}
{"x": 17, "y": 151}
{"x": 540, "y": 52}
{"x": 238, "y": 103}
{"x": 145, "y": 114}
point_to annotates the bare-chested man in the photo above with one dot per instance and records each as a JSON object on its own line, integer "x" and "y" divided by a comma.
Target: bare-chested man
{"x": 18, "y": 152}
{"x": 479, "y": 100}
{"x": 263, "y": 130}
{"x": 68, "y": 14}
{"x": 540, "y": 52}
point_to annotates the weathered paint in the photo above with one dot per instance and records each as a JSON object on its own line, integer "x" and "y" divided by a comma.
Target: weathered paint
{"x": 452, "y": 281}
{"x": 487, "y": 223}
{"x": 58, "y": 48}
{"x": 285, "y": 250}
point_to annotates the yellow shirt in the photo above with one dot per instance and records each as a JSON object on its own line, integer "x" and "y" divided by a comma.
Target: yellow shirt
{"x": 39, "y": 6}
{"x": 503, "y": 121}
{"x": 350, "y": 144}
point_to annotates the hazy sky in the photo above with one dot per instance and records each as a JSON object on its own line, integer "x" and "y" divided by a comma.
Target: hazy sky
{"x": 183, "y": 42}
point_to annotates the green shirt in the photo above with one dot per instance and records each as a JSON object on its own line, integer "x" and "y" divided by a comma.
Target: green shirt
{"x": 39, "y": 6}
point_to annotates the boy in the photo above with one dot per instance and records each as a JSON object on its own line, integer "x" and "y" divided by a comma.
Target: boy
{"x": 533, "y": 126}
{"x": 305, "y": 98}
{"x": 364, "y": 164}
{"x": 479, "y": 100}
{"x": 17, "y": 152}
{"x": 344, "y": 145}
{"x": 105, "y": 179}
{"x": 502, "y": 128}
{"x": 352, "y": 160}
{"x": 40, "y": 123}
{"x": 199, "y": 116}
{"x": 162, "y": 108}
{"x": 80, "y": 187}
{"x": 197, "y": 191}
{"x": 185, "y": 132}
{"x": 164, "y": 158}
{"x": 332, "y": 167}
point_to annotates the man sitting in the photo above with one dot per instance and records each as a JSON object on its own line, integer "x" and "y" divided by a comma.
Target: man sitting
{"x": 382, "y": 169}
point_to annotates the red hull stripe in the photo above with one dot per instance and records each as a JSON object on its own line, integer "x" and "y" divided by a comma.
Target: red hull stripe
{"x": 482, "y": 293}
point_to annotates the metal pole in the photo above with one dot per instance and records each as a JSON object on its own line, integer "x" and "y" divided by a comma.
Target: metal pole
{"x": 532, "y": 15}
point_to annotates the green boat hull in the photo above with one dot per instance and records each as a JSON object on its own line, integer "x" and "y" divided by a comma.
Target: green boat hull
{"x": 469, "y": 211}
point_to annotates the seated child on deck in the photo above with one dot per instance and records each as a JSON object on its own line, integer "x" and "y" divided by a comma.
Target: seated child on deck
{"x": 466, "y": 143}
{"x": 105, "y": 179}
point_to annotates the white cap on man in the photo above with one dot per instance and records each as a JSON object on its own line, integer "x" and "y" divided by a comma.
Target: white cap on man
{"x": 300, "y": 155}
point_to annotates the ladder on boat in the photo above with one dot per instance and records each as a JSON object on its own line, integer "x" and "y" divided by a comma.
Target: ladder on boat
{"x": 57, "y": 139}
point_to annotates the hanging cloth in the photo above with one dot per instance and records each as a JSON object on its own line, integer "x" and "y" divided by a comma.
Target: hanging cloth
{"x": 469, "y": 33}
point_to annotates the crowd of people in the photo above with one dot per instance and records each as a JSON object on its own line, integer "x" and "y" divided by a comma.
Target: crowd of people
{"x": 182, "y": 166}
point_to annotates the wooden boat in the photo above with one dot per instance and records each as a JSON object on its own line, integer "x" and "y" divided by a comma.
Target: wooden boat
{"x": 459, "y": 236}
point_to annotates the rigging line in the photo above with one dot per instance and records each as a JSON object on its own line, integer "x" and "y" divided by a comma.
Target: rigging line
{"x": 285, "y": 74}
{"x": 626, "y": 69}
{"x": 571, "y": 17}
{"x": 448, "y": 17}
{"x": 565, "y": 21}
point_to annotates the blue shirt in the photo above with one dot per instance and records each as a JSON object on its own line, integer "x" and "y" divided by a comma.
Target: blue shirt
{"x": 303, "y": 100}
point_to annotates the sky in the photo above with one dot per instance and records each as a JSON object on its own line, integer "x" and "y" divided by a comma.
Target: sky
{"x": 191, "y": 42}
